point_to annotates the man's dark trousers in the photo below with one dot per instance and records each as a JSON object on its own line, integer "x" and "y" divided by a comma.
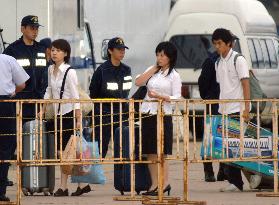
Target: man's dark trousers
{"x": 233, "y": 173}
{"x": 7, "y": 139}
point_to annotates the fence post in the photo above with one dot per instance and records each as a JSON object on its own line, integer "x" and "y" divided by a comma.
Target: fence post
{"x": 274, "y": 153}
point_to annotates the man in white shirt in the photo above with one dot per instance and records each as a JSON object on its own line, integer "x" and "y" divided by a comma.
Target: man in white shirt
{"x": 234, "y": 84}
{"x": 12, "y": 78}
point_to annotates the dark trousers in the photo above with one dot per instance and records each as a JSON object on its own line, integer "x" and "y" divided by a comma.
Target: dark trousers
{"x": 67, "y": 128}
{"x": 208, "y": 168}
{"x": 7, "y": 142}
{"x": 233, "y": 173}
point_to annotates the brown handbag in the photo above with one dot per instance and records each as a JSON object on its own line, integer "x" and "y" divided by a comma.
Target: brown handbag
{"x": 69, "y": 154}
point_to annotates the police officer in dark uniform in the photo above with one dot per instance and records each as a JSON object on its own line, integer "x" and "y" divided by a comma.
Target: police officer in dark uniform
{"x": 31, "y": 56}
{"x": 12, "y": 78}
{"x": 112, "y": 79}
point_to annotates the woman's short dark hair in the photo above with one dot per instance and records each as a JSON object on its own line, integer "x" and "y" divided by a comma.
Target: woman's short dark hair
{"x": 170, "y": 51}
{"x": 222, "y": 34}
{"x": 63, "y": 45}
{"x": 108, "y": 54}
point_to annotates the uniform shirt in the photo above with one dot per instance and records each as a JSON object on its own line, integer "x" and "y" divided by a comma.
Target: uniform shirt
{"x": 229, "y": 78}
{"x": 110, "y": 81}
{"x": 163, "y": 84}
{"x": 70, "y": 89}
{"x": 12, "y": 74}
{"x": 32, "y": 58}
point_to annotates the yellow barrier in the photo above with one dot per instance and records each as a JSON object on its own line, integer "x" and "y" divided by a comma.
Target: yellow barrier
{"x": 189, "y": 113}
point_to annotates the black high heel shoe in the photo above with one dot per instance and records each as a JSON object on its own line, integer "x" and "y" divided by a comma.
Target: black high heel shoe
{"x": 154, "y": 192}
{"x": 150, "y": 193}
{"x": 167, "y": 189}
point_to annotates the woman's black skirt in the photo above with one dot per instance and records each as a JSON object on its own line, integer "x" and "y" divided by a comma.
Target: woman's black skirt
{"x": 67, "y": 128}
{"x": 149, "y": 134}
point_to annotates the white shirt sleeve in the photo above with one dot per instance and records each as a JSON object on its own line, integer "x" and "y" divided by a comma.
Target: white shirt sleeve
{"x": 19, "y": 75}
{"x": 72, "y": 82}
{"x": 48, "y": 93}
{"x": 242, "y": 67}
{"x": 176, "y": 86}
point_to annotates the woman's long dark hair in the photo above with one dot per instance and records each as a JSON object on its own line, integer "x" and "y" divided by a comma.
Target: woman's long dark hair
{"x": 170, "y": 51}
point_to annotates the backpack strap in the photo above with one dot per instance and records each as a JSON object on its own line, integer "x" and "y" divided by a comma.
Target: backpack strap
{"x": 235, "y": 58}
{"x": 63, "y": 86}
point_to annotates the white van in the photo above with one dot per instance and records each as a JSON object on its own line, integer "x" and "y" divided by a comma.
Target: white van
{"x": 1, "y": 41}
{"x": 190, "y": 27}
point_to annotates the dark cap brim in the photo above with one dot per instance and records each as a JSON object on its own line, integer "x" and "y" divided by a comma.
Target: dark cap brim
{"x": 121, "y": 46}
{"x": 35, "y": 24}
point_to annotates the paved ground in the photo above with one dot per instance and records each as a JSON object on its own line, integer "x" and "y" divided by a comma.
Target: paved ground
{"x": 199, "y": 190}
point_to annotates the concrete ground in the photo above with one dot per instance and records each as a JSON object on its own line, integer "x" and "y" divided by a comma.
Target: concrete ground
{"x": 199, "y": 190}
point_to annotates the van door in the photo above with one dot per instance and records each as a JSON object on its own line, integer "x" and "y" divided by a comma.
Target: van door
{"x": 87, "y": 62}
{"x": 1, "y": 42}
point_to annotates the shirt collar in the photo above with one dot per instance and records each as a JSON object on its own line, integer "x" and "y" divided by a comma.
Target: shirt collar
{"x": 61, "y": 68}
{"x": 228, "y": 55}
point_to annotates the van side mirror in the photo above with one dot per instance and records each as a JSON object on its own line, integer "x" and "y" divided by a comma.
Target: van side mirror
{"x": 104, "y": 49}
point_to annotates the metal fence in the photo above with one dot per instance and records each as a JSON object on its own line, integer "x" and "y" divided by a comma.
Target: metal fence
{"x": 185, "y": 118}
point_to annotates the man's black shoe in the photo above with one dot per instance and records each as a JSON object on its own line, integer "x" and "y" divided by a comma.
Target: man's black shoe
{"x": 10, "y": 183}
{"x": 209, "y": 177}
{"x": 4, "y": 198}
{"x": 221, "y": 176}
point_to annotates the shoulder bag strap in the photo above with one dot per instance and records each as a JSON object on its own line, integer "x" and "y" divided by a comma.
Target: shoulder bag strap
{"x": 63, "y": 86}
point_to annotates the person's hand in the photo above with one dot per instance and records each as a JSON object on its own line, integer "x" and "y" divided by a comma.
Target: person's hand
{"x": 152, "y": 94}
{"x": 41, "y": 113}
{"x": 246, "y": 116}
{"x": 13, "y": 94}
{"x": 156, "y": 67}
{"x": 78, "y": 123}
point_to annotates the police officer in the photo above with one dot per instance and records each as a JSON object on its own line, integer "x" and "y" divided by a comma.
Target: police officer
{"x": 112, "y": 79}
{"x": 12, "y": 78}
{"x": 31, "y": 56}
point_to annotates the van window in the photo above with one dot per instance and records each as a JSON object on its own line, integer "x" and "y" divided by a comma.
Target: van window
{"x": 259, "y": 53}
{"x": 253, "y": 54}
{"x": 272, "y": 53}
{"x": 265, "y": 54}
{"x": 192, "y": 50}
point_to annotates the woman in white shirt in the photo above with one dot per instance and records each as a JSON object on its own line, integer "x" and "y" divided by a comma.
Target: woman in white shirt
{"x": 60, "y": 55}
{"x": 163, "y": 82}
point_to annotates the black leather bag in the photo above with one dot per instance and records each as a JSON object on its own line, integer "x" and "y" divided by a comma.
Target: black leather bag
{"x": 140, "y": 93}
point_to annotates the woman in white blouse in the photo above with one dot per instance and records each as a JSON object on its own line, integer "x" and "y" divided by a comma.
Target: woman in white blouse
{"x": 163, "y": 82}
{"x": 60, "y": 55}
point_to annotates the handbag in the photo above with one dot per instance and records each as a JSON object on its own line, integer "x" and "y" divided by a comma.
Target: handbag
{"x": 85, "y": 107}
{"x": 140, "y": 93}
{"x": 49, "y": 110}
{"x": 84, "y": 150}
{"x": 75, "y": 147}
{"x": 69, "y": 154}
{"x": 96, "y": 174}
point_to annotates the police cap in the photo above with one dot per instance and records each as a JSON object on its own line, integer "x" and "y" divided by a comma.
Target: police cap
{"x": 116, "y": 43}
{"x": 30, "y": 20}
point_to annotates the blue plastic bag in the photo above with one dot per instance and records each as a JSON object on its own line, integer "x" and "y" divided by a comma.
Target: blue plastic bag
{"x": 96, "y": 174}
